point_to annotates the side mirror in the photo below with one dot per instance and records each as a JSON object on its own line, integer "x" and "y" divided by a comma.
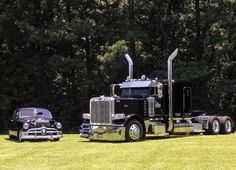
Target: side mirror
{"x": 115, "y": 90}
{"x": 160, "y": 90}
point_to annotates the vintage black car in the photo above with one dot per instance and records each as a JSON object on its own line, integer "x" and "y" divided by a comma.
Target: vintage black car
{"x": 34, "y": 123}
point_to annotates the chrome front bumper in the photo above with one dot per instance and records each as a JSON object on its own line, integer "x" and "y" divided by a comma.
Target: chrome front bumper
{"x": 41, "y": 133}
{"x": 103, "y": 133}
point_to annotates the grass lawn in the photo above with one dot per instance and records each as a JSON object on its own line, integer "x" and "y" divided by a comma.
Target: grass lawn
{"x": 73, "y": 152}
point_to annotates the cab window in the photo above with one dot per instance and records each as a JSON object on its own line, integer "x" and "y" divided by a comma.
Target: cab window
{"x": 135, "y": 92}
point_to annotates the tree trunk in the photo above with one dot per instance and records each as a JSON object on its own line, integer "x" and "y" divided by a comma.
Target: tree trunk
{"x": 199, "y": 47}
{"x": 68, "y": 10}
{"x": 131, "y": 28}
{"x": 37, "y": 13}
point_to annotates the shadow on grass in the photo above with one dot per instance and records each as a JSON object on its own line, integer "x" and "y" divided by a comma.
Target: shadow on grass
{"x": 148, "y": 138}
{"x": 169, "y": 137}
{"x": 28, "y": 140}
{"x": 101, "y": 141}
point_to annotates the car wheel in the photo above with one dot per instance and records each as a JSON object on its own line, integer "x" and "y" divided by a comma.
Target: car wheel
{"x": 19, "y": 136}
{"x": 213, "y": 126}
{"x": 134, "y": 131}
{"x": 11, "y": 137}
{"x": 56, "y": 139}
{"x": 226, "y": 125}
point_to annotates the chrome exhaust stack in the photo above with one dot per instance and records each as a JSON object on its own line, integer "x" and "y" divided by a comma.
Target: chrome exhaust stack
{"x": 130, "y": 66}
{"x": 170, "y": 89}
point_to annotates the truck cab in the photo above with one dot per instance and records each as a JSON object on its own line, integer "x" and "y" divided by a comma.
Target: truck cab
{"x": 148, "y": 106}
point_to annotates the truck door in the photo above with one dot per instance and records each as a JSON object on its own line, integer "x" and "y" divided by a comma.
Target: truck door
{"x": 158, "y": 105}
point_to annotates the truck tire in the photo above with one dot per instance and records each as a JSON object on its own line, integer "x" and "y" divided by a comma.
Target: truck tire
{"x": 213, "y": 126}
{"x": 226, "y": 125}
{"x": 134, "y": 131}
{"x": 233, "y": 124}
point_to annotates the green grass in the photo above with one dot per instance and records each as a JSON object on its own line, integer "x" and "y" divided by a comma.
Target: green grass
{"x": 72, "y": 152}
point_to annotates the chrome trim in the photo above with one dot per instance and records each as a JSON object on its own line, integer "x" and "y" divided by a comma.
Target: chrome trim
{"x": 137, "y": 84}
{"x": 228, "y": 126}
{"x": 170, "y": 59}
{"x": 160, "y": 129}
{"x": 26, "y": 126}
{"x": 130, "y": 66}
{"x": 134, "y": 131}
{"x": 59, "y": 125}
{"x": 197, "y": 127}
{"x": 183, "y": 127}
{"x": 151, "y": 106}
{"x": 156, "y": 119}
{"x": 216, "y": 126}
{"x": 41, "y": 133}
{"x": 182, "y": 118}
{"x": 101, "y": 110}
{"x": 40, "y": 128}
{"x": 118, "y": 116}
{"x": 103, "y": 133}
{"x": 147, "y": 124}
{"x": 41, "y": 137}
{"x": 159, "y": 90}
{"x": 203, "y": 119}
{"x": 112, "y": 89}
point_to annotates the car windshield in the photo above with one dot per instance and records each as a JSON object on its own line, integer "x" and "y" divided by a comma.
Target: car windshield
{"x": 135, "y": 92}
{"x": 24, "y": 113}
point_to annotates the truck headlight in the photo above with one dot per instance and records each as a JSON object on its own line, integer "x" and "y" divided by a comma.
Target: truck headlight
{"x": 25, "y": 126}
{"x": 58, "y": 125}
{"x": 118, "y": 116}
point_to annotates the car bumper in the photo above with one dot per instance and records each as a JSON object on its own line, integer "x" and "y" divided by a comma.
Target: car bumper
{"x": 41, "y": 137}
{"x": 103, "y": 133}
{"x": 41, "y": 133}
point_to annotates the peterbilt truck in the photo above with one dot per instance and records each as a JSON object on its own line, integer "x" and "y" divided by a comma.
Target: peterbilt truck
{"x": 149, "y": 106}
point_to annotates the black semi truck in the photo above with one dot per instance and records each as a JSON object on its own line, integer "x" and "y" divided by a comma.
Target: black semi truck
{"x": 149, "y": 106}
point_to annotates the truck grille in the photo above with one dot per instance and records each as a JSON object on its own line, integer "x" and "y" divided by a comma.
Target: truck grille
{"x": 101, "y": 110}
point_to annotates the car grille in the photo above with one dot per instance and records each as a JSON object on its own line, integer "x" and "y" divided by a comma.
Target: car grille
{"x": 40, "y": 124}
{"x": 40, "y": 132}
{"x": 101, "y": 110}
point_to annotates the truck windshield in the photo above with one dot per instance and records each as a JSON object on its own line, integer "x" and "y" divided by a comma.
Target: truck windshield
{"x": 135, "y": 92}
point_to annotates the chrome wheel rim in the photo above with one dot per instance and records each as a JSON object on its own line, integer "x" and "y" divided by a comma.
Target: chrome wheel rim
{"x": 228, "y": 126}
{"x": 134, "y": 131}
{"x": 216, "y": 126}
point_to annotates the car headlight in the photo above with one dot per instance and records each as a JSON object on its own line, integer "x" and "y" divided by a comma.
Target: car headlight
{"x": 58, "y": 125}
{"x": 25, "y": 126}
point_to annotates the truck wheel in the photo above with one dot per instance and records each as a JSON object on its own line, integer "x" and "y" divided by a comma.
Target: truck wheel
{"x": 233, "y": 127}
{"x": 226, "y": 125}
{"x": 213, "y": 126}
{"x": 134, "y": 131}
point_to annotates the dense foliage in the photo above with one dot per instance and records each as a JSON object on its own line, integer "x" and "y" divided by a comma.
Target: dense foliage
{"x": 59, "y": 53}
